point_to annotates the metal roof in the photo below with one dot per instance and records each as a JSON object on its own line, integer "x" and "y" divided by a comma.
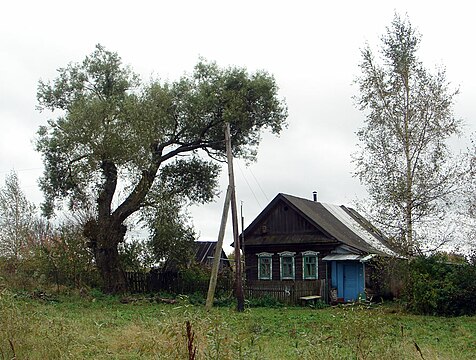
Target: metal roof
{"x": 358, "y": 229}
{"x": 340, "y": 257}
{"x": 343, "y": 257}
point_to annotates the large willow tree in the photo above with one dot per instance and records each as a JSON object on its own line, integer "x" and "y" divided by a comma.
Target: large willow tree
{"x": 403, "y": 158}
{"x": 115, "y": 133}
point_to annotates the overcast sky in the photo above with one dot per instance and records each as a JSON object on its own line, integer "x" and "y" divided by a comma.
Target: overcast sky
{"x": 311, "y": 47}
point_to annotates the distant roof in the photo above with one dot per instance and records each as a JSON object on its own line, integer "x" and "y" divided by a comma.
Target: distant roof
{"x": 204, "y": 252}
{"x": 204, "y": 249}
{"x": 339, "y": 222}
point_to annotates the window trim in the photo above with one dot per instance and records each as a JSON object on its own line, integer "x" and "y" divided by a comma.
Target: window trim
{"x": 309, "y": 254}
{"x": 265, "y": 255}
{"x": 287, "y": 254}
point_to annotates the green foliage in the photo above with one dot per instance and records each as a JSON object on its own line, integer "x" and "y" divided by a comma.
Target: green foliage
{"x": 59, "y": 259}
{"x": 387, "y": 277}
{"x": 136, "y": 255}
{"x": 438, "y": 287}
{"x": 63, "y": 258}
{"x": 195, "y": 279}
{"x": 109, "y": 114}
{"x": 172, "y": 235}
{"x": 21, "y": 274}
{"x": 145, "y": 144}
{"x": 197, "y": 298}
{"x": 264, "y": 301}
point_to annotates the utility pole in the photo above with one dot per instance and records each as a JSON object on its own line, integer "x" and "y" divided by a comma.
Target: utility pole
{"x": 216, "y": 258}
{"x": 242, "y": 239}
{"x": 234, "y": 218}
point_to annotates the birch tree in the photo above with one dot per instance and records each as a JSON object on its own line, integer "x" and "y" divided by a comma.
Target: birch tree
{"x": 403, "y": 157}
{"x": 17, "y": 218}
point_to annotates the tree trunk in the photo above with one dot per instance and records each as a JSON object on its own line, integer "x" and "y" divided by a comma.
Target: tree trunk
{"x": 105, "y": 237}
{"x": 408, "y": 244}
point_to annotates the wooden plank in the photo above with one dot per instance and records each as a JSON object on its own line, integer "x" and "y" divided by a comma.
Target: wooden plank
{"x": 310, "y": 297}
{"x": 287, "y": 292}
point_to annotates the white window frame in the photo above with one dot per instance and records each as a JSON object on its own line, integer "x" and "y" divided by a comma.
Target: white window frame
{"x": 308, "y": 254}
{"x": 287, "y": 254}
{"x": 265, "y": 255}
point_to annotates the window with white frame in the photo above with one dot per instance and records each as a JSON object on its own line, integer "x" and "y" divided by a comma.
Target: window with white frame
{"x": 265, "y": 266}
{"x": 309, "y": 265}
{"x": 286, "y": 261}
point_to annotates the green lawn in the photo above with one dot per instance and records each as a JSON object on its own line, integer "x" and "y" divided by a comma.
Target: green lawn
{"x": 75, "y": 328}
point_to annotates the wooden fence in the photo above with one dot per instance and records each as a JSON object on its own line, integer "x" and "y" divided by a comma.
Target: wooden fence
{"x": 138, "y": 282}
{"x": 173, "y": 282}
{"x": 288, "y": 292}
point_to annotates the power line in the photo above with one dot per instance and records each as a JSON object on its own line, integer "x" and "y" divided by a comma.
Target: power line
{"x": 247, "y": 183}
{"x": 18, "y": 170}
{"x": 259, "y": 185}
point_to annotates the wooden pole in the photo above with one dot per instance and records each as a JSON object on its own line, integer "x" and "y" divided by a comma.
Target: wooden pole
{"x": 234, "y": 218}
{"x": 219, "y": 246}
{"x": 242, "y": 242}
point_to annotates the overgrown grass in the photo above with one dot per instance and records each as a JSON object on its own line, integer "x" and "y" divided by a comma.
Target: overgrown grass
{"x": 101, "y": 327}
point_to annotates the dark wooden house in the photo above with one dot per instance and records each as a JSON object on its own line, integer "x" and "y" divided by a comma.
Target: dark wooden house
{"x": 312, "y": 246}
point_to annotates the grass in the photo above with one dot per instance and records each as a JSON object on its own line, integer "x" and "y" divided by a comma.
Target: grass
{"x": 103, "y": 328}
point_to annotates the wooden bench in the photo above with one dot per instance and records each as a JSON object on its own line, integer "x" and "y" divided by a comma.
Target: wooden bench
{"x": 310, "y": 298}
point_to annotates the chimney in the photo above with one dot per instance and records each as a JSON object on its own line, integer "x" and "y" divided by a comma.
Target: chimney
{"x": 314, "y": 195}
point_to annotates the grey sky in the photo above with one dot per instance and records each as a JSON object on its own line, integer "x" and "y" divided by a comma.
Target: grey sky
{"x": 311, "y": 47}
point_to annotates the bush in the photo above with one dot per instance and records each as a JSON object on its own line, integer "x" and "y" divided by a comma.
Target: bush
{"x": 437, "y": 287}
{"x": 196, "y": 279}
{"x": 386, "y": 277}
{"x": 61, "y": 259}
{"x": 264, "y": 301}
{"x": 64, "y": 258}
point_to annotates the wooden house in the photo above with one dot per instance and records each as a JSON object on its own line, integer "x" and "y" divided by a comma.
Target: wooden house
{"x": 313, "y": 246}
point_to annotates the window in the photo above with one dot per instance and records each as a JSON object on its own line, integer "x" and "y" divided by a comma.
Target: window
{"x": 265, "y": 266}
{"x": 286, "y": 260}
{"x": 309, "y": 265}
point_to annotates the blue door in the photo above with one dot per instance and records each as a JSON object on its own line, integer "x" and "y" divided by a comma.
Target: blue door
{"x": 347, "y": 278}
{"x": 351, "y": 281}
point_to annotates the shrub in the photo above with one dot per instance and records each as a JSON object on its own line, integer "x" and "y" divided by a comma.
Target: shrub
{"x": 437, "y": 287}
{"x": 135, "y": 255}
{"x": 386, "y": 277}
{"x": 61, "y": 259}
{"x": 264, "y": 301}
{"x": 196, "y": 278}
{"x": 64, "y": 258}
